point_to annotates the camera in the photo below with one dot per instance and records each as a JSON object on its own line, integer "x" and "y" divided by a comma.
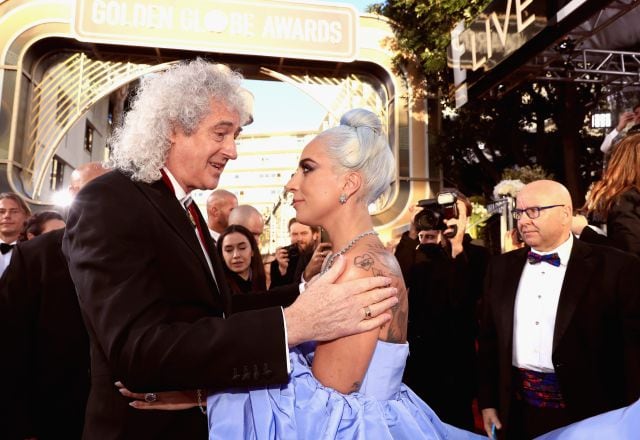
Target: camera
{"x": 436, "y": 211}
{"x": 292, "y": 251}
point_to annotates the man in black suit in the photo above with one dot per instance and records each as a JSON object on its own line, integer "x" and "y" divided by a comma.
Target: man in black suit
{"x": 560, "y": 331}
{"x": 150, "y": 284}
{"x": 291, "y": 260}
{"x": 46, "y": 345}
{"x": 442, "y": 330}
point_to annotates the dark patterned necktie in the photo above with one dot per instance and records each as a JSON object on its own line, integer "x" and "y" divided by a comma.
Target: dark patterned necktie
{"x": 535, "y": 258}
{"x": 195, "y": 221}
{"x": 5, "y": 247}
{"x": 190, "y": 209}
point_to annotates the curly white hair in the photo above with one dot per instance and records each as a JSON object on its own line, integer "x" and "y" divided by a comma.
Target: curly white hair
{"x": 180, "y": 96}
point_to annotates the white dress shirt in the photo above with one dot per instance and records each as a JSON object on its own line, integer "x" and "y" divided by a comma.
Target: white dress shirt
{"x": 5, "y": 259}
{"x": 536, "y": 305}
{"x": 608, "y": 140}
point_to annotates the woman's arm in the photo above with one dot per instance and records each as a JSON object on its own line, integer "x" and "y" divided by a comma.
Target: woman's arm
{"x": 342, "y": 363}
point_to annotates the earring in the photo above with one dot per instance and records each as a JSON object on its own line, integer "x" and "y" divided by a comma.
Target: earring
{"x": 343, "y": 199}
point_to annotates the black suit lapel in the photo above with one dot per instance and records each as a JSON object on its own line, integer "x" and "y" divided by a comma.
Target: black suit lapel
{"x": 169, "y": 208}
{"x": 513, "y": 271}
{"x": 216, "y": 263}
{"x": 576, "y": 281}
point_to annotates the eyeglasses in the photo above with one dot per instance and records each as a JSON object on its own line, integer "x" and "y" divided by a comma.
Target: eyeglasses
{"x": 532, "y": 211}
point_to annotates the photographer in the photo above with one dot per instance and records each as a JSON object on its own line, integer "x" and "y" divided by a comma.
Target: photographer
{"x": 445, "y": 282}
{"x": 292, "y": 260}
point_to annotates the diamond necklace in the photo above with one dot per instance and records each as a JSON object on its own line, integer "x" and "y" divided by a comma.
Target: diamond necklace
{"x": 330, "y": 259}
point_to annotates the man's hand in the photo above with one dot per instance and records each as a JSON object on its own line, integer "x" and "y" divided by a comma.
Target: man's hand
{"x": 490, "y": 419}
{"x": 413, "y": 232}
{"x": 625, "y": 118}
{"x": 166, "y": 400}
{"x": 460, "y": 229}
{"x": 327, "y": 311}
{"x": 315, "y": 264}
{"x": 282, "y": 257}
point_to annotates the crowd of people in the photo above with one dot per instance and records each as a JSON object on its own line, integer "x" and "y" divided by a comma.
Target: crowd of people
{"x": 163, "y": 324}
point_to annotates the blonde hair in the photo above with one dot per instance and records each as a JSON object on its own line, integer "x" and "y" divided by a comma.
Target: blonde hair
{"x": 360, "y": 144}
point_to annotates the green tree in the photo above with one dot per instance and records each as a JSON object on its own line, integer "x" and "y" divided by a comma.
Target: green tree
{"x": 422, "y": 29}
{"x": 535, "y": 124}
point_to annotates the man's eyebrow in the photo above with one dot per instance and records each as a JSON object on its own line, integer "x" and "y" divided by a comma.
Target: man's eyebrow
{"x": 222, "y": 124}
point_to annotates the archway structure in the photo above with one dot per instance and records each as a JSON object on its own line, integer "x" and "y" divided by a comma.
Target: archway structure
{"x": 58, "y": 58}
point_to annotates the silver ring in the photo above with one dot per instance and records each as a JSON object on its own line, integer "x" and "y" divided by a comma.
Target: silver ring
{"x": 367, "y": 312}
{"x": 150, "y": 397}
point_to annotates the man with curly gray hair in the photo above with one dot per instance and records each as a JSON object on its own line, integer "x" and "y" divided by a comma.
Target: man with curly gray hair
{"x": 150, "y": 284}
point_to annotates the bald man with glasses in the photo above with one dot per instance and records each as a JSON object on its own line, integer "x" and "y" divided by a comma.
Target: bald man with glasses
{"x": 560, "y": 328}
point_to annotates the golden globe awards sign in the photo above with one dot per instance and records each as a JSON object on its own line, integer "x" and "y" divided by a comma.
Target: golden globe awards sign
{"x": 263, "y": 27}
{"x": 501, "y": 29}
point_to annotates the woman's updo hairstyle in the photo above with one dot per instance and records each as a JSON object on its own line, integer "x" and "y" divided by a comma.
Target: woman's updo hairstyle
{"x": 360, "y": 144}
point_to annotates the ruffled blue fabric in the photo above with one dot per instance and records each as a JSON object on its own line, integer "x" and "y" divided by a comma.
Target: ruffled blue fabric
{"x": 303, "y": 408}
{"x": 620, "y": 424}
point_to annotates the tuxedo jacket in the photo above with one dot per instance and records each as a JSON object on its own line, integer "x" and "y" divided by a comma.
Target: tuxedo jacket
{"x": 46, "y": 355}
{"x": 154, "y": 312}
{"x": 596, "y": 341}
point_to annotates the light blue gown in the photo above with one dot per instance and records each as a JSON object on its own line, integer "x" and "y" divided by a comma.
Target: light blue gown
{"x": 384, "y": 408}
{"x": 619, "y": 424}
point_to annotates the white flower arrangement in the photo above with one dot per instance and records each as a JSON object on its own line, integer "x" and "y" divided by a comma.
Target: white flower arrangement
{"x": 479, "y": 210}
{"x": 507, "y": 188}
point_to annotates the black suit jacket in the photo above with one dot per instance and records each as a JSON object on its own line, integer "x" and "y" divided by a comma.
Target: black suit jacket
{"x": 154, "y": 313}
{"x": 46, "y": 355}
{"x": 596, "y": 341}
{"x": 442, "y": 329}
{"x": 277, "y": 279}
{"x": 406, "y": 254}
{"x": 623, "y": 224}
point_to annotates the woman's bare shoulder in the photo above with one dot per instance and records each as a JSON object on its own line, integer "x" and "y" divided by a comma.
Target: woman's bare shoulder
{"x": 371, "y": 258}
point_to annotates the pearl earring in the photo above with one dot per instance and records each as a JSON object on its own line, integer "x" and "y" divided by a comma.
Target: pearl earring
{"x": 343, "y": 199}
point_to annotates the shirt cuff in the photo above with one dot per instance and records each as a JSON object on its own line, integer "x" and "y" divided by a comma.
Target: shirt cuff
{"x": 303, "y": 284}
{"x": 597, "y": 229}
{"x": 286, "y": 341}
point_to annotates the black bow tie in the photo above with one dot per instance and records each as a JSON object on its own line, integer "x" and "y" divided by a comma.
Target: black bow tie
{"x": 535, "y": 258}
{"x": 5, "y": 247}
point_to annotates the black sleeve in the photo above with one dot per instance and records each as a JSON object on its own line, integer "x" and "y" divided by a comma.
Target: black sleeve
{"x": 623, "y": 223}
{"x": 19, "y": 305}
{"x": 406, "y": 254}
{"x": 278, "y": 296}
{"x": 488, "y": 370}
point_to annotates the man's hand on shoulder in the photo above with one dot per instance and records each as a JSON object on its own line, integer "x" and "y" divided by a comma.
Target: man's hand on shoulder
{"x": 328, "y": 311}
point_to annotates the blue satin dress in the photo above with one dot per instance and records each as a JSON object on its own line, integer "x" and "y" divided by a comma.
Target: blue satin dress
{"x": 384, "y": 408}
{"x": 619, "y": 424}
